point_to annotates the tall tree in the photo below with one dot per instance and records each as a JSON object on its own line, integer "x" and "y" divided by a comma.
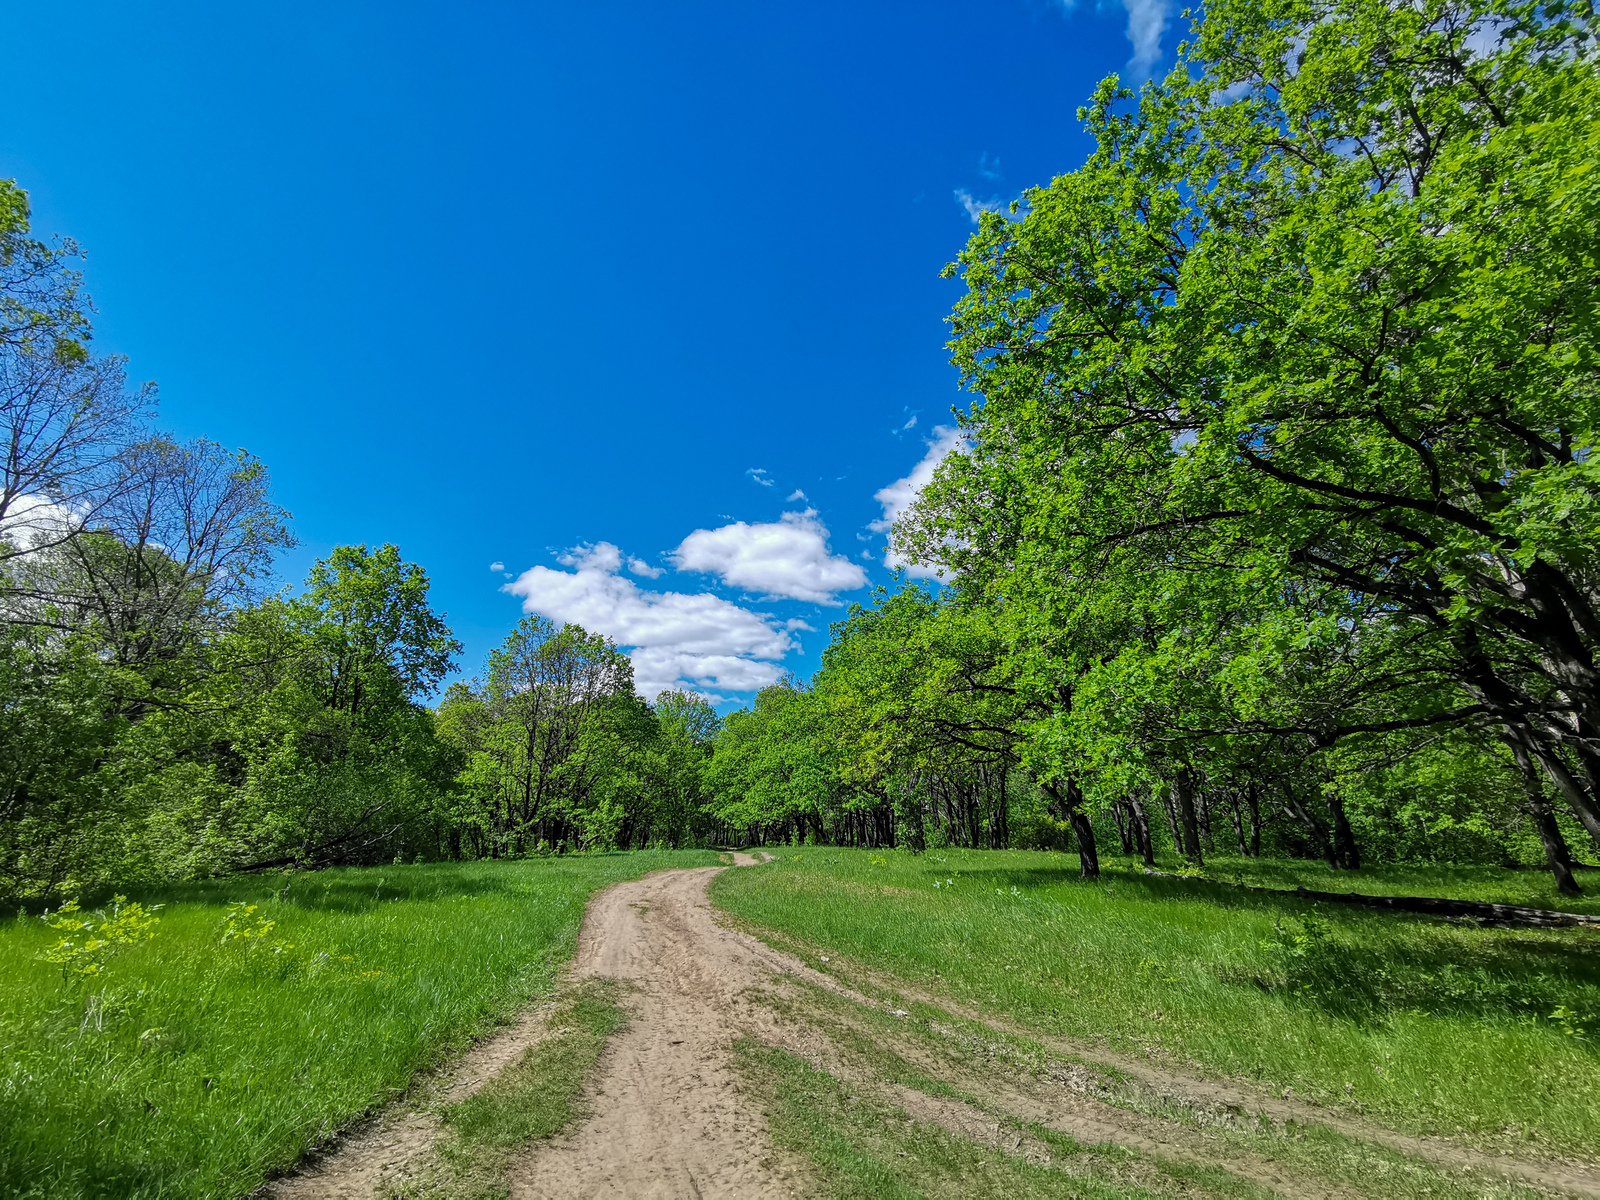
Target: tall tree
{"x": 1316, "y": 313}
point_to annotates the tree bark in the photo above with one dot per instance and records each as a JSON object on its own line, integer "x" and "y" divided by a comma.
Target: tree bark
{"x": 1141, "y": 831}
{"x": 1183, "y": 788}
{"x": 1124, "y": 832}
{"x": 1067, "y": 802}
{"x": 1238, "y": 825}
{"x": 1088, "y": 856}
{"x": 1347, "y": 855}
{"x": 1556, "y": 854}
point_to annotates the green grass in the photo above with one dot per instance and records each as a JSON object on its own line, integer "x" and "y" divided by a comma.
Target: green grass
{"x": 945, "y": 1056}
{"x": 192, "y": 1068}
{"x": 535, "y": 1097}
{"x": 1532, "y": 889}
{"x": 1423, "y": 1025}
{"x": 865, "y": 1149}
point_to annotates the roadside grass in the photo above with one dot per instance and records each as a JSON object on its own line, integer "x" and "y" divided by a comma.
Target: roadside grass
{"x": 866, "y": 1149}
{"x": 534, "y": 1097}
{"x": 193, "y": 1068}
{"x": 941, "y": 1055}
{"x": 1486, "y": 1036}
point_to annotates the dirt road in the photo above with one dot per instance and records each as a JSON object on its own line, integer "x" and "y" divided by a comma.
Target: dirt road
{"x": 668, "y": 1119}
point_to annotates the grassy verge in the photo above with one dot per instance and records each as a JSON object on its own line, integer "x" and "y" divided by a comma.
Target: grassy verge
{"x": 1426, "y": 1026}
{"x": 865, "y": 1149}
{"x": 1207, "y": 1147}
{"x": 533, "y": 1098}
{"x": 194, "y": 1068}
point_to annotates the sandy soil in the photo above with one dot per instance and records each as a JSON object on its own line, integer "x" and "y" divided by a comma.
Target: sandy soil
{"x": 668, "y": 1119}
{"x": 353, "y": 1166}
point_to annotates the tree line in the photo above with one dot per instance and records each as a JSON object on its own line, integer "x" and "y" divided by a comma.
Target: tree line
{"x": 1273, "y": 528}
{"x": 1274, "y": 520}
{"x": 164, "y": 717}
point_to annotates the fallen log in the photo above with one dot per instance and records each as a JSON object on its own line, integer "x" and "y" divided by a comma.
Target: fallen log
{"x": 1508, "y": 915}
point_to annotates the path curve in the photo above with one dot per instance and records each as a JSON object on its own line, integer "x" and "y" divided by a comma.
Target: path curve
{"x": 667, "y": 1117}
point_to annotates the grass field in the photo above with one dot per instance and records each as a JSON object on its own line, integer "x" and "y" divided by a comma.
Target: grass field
{"x": 1490, "y": 1036}
{"x": 196, "y": 1068}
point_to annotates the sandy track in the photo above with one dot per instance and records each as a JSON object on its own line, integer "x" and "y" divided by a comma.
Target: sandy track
{"x": 669, "y": 1120}
{"x": 353, "y": 1165}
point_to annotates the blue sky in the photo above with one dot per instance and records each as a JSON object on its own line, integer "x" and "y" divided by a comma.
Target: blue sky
{"x": 639, "y": 301}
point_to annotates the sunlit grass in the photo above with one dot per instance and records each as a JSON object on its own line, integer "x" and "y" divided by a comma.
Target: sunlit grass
{"x": 864, "y": 1149}
{"x": 195, "y": 1068}
{"x": 1428, "y": 1026}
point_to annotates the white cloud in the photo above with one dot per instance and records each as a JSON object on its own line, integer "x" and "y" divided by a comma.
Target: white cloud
{"x": 759, "y": 474}
{"x": 639, "y": 567}
{"x": 902, "y": 493}
{"x": 660, "y": 668}
{"x": 788, "y": 557}
{"x": 673, "y": 636}
{"x": 911, "y": 424}
{"x": 497, "y": 566}
{"x": 1147, "y": 21}
{"x": 32, "y": 521}
{"x": 797, "y": 494}
{"x": 975, "y": 207}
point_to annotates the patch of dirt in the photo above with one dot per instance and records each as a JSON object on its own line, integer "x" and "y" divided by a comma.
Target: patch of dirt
{"x": 1219, "y": 1098}
{"x": 1091, "y": 1128}
{"x": 668, "y": 1118}
{"x": 354, "y": 1164}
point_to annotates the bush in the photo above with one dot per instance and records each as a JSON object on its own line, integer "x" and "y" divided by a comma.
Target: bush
{"x": 1040, "y": 831}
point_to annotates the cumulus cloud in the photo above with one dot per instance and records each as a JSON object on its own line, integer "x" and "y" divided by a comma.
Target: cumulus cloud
{"x": 797, "y": 494}
{"x": 759, "y": 474}
{"x": 676, "y": 639}
{"x": 657, "y": 669}
{"x": 33, "y": 521}
{"x": 788, "y": 557}
{"x": 639, "y": 567}
{"x": 497, "y": 566}
{"x": 902, "y": 493}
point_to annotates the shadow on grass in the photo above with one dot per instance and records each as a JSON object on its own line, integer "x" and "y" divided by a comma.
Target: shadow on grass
{"x": 1366, "y": 965}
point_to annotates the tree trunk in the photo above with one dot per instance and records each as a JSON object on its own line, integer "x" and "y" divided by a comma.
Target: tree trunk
{"x": 1319, "y": 835}
{"x": 1556, "y": 853}
{"x": 1088, "y": 856}
{"x": 1171, "y": 812}
{"x": 1141, "y": 831}
{"x": 1124, "y": 833}
{"x": 1255, "y": 818}
{"x": 1238, "y": 825}
{"x": 1068, "y": 803}
{"x": 1347, "y": 855}
{"x": 1183, "y": 789}
{"x": 1573, "y": 792}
